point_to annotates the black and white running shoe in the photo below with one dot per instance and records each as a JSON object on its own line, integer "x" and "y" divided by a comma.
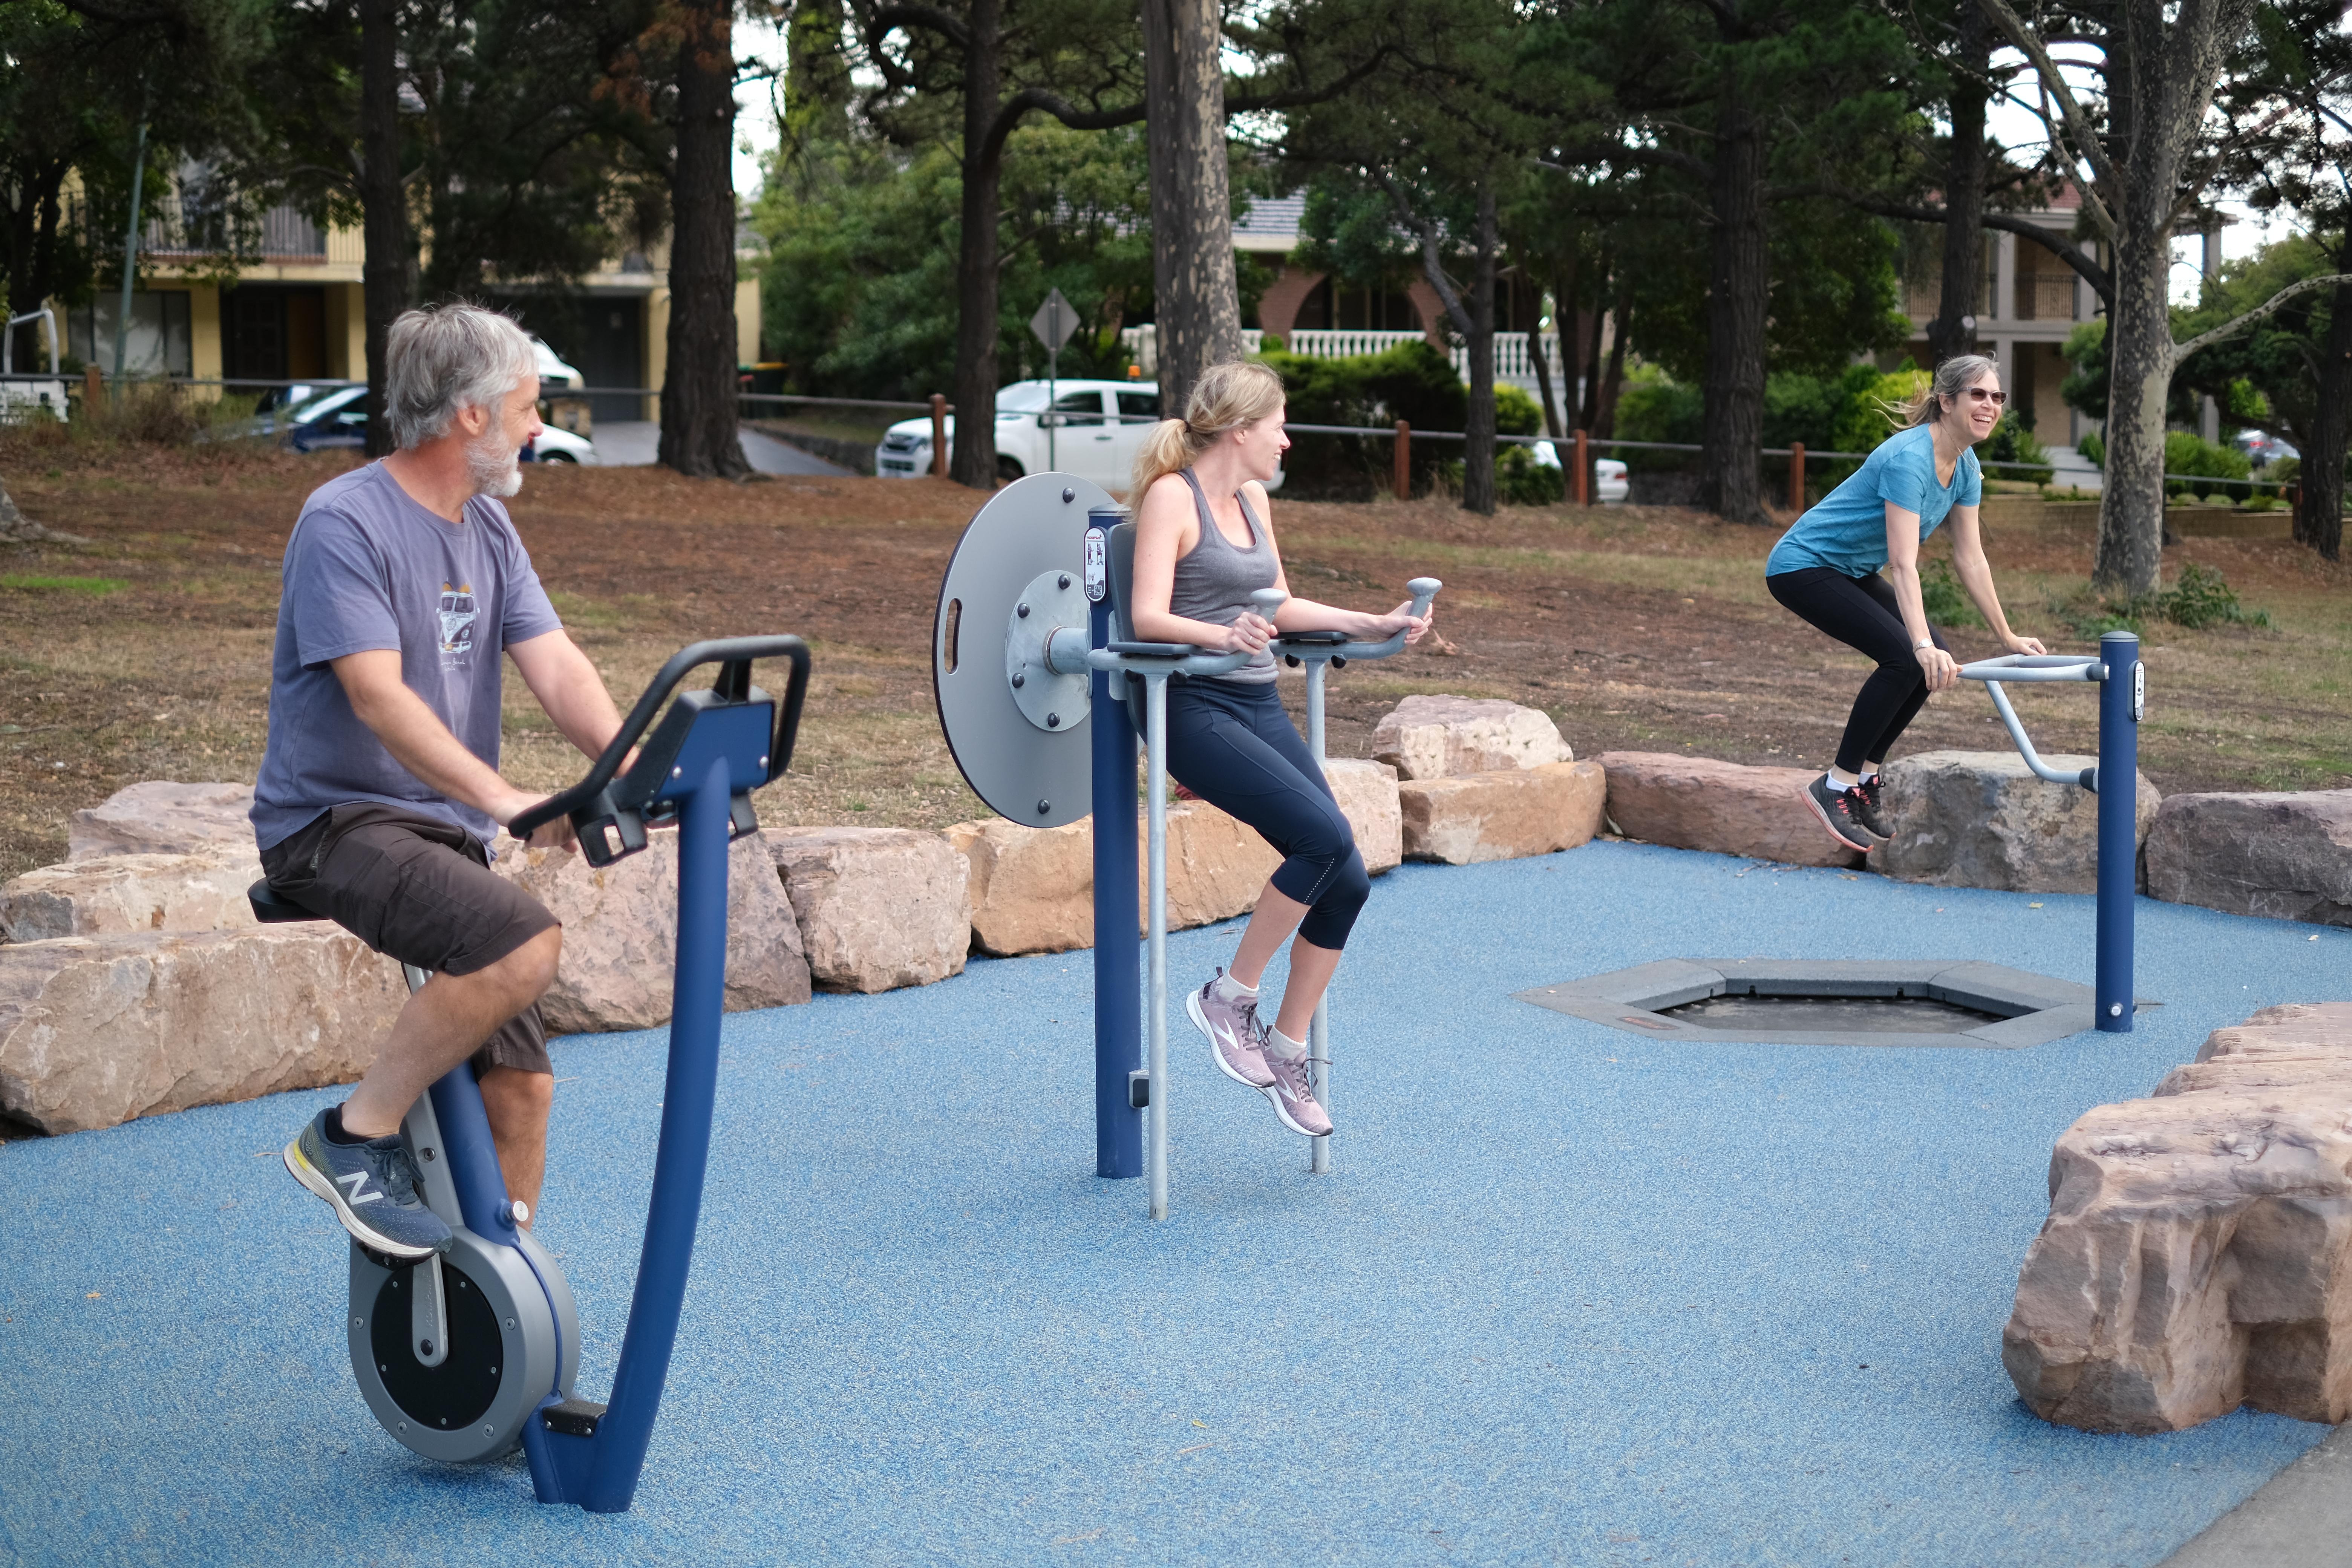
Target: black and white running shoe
{"x": 1836, "y": 810}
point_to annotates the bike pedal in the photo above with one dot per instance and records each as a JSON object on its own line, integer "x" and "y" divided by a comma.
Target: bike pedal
{"x": 573, "y": 1417}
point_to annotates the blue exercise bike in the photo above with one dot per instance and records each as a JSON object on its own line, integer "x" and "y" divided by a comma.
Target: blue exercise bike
{"x": 465, "y": 1354}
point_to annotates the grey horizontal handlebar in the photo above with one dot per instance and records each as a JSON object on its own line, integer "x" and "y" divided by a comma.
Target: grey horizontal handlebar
{"x": 1422, "y": 589}
{"x": 2036, "y": 666}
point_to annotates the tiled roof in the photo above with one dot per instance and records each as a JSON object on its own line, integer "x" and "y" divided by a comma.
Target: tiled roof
{"x": 1271, "y": 224}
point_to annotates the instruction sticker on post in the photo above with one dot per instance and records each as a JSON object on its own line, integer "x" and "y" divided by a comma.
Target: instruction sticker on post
{"x": 1098, "y": 567}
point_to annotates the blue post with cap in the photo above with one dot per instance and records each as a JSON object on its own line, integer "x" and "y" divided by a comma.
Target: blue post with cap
{"x": 2121, "y": 699}
{"x": 1118, "y": 993}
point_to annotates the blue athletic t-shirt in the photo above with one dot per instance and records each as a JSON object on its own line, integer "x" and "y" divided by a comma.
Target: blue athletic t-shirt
{"x": 368, "y": 568}
{"x": 1847, "y": 531}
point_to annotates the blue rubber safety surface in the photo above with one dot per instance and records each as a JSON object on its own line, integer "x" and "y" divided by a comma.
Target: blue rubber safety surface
{"x": 1572, "y": 1296}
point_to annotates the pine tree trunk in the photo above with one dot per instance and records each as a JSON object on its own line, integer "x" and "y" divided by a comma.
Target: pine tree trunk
{"x": 1587, "y": 413}
{"x": 698, "y": 435}
{"x": 972, "y": 458}
{"x": 383, "y": 231}
{"x": 1563, "y": 320}
{"x": 1620, "y": 322}
{"x": 1478, "y": 429}
{"x": 2319, "y": 514}
{"x": 1198, "y": 297}
{"x": 1953, "y": 332}
{"x": 1738, "y": 296}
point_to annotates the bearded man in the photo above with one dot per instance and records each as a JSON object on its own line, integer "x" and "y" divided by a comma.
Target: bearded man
{"x": 405, "y": 583}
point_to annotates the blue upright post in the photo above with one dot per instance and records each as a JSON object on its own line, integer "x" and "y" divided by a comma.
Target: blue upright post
{"x": 689, "y": 1098}
{"x": 2121, "y": 697}
{"x": 1119, "y": 998}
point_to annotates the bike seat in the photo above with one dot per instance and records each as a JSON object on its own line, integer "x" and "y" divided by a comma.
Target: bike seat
{"x": 270, "y": 908}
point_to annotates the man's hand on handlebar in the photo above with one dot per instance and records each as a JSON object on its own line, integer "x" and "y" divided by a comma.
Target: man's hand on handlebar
{"x": 1249, "y": 634}
{"x": 1942, "y": 670}
{"x": 555, "y": 834}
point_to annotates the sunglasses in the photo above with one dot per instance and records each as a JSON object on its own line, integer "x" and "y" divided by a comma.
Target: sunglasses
{"x": 1978, "y": 394}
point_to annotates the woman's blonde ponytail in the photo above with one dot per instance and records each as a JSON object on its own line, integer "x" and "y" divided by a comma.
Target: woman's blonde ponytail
{"x": 1226, "y": 397}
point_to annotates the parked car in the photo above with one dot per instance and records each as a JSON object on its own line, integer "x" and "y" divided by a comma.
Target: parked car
{"x": 338, "y": 417}
{"x": 2262, "y": 447}
{"x": 1610, "y": 485}
{"x": 554, "y": 375}
{"x": 1095, "y": 429}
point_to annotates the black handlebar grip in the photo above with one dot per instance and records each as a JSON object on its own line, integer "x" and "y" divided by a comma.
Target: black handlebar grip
{"x": 737, "y": 654}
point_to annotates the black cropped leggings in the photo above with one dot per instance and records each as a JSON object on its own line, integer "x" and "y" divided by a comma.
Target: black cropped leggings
{"x": 1862, "y": 613}
{"x": 1233, "y": 745}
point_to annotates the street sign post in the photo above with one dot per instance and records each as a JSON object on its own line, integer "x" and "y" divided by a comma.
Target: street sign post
{"x": 1054, "y": 323}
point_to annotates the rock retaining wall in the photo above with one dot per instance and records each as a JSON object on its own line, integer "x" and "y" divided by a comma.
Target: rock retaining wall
{"x": 1983, "y": 819}
{"x": 1726, "y": 808}
{"x": 2284, "y": 857}
{"x": 97, "y": 1030}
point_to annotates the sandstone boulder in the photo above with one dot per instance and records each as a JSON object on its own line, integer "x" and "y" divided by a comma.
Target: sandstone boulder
{"x": 1032, "y": 889}
{"x": 110, "y": 893}
{"x": 1447, "y": 737}
{"x": 2283, "y": 857}
{"x": 878, "y": 907}
{"x": 620, "y": 933}
{"x": 161, "y": 817}
{"x": 2199, "y": 1249}
{"x": 1367, "y": 794}
{"x": 1502, "y": 816}
{"x": 1725, "y": 808}
{"x": 1982, "y": 819}
{"x": 97, "y": 1030}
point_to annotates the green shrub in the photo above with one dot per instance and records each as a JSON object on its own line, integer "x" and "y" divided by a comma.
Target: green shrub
{"x": 1516, "y": 414}
{"x": 1656, "y": 409}
{"x": 2201, "y": 597}
{"x": 1946, "y": 601}
{"x": 1411, "y": 382}
{"x": 2091, "y": 447}
{"x": 1522, "y": 481}
{"x": 2207, "y": 462}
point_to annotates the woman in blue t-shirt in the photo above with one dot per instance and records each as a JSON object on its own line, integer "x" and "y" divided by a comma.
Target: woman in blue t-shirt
{"x": 1826, "y": 568}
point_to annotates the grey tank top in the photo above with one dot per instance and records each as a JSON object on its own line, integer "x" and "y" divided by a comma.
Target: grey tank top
{"x": 1214, "y": 581}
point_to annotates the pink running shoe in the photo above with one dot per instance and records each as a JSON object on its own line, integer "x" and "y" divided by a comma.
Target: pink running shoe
{"x": 1233, "y": 1031}
{"x": 1294, "y": 1102}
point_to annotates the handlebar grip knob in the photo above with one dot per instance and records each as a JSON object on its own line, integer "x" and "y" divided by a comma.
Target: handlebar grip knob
{"x": 1422, "y": 589}
{"x": 1265, "y": 601}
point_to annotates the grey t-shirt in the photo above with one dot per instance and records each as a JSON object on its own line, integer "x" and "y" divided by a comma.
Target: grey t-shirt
{"x": 368, "y": 568}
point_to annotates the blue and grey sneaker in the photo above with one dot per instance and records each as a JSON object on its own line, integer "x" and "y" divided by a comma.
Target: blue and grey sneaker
{"x": 373, "y": 1188}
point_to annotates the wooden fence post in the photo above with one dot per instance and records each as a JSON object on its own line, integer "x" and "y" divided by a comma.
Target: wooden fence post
{"x": 1580, "y": 488}
{"x": 93, "y": 387}
{"x": 938, "y": 436}
{"x": 1403, "y": 460}
{"x": 1796, "y": 475}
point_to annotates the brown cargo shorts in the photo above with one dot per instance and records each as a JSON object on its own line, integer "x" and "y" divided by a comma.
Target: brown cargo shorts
{"x": 421, "y": 890}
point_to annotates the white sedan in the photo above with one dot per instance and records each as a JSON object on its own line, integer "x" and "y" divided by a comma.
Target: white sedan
{"x": 1610, "y": 485}
{"x": 1094, "y": 430}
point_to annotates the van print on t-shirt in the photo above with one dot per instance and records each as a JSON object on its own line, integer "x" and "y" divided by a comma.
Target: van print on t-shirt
{"x": 458, "y": 614}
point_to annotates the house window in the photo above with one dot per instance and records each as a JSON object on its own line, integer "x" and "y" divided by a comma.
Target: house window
{"x": 157, "y": 341}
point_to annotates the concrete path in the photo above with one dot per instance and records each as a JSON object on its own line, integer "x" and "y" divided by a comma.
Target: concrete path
{"x": 632, "y": 443}
{"x": 1572, "y": 1294}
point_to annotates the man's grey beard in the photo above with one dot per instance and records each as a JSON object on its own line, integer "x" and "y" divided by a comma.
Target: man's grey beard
{"x": 495, "y": 466}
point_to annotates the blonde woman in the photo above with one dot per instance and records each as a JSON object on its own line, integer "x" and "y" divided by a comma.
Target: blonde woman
{"x": 1204, "y": 541}
{"x": 1825, "y": 569}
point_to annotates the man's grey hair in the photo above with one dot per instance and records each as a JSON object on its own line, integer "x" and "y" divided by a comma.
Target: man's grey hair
{"x": 447, "y": 358}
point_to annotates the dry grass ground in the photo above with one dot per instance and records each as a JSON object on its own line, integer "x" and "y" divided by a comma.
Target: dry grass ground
{"x": 145, "y": 653}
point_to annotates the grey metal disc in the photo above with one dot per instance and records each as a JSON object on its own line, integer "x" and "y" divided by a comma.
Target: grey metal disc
{"x": 1041, "y": 778}
{"x": 1054, "y": 602}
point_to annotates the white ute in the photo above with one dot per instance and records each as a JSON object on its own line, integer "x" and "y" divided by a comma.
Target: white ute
{"x": 1097, "y": 431}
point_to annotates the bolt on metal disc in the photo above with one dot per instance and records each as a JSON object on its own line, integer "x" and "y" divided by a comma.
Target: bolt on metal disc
{"x": 1025, "y": 769}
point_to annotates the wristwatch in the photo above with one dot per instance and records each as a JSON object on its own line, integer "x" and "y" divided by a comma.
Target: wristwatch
{"x": 1923, "y": 644}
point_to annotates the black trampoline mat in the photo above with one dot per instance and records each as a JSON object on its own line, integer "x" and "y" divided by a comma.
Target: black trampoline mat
{"x": 1810, "y": 1015}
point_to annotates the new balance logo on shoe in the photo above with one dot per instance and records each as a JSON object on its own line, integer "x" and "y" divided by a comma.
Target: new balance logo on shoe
{"x": 355, "y": 1185}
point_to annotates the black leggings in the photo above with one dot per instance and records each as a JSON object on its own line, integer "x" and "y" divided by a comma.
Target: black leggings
{"x": 1862, "y": 613}
{"x": 1231, "y": 744}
